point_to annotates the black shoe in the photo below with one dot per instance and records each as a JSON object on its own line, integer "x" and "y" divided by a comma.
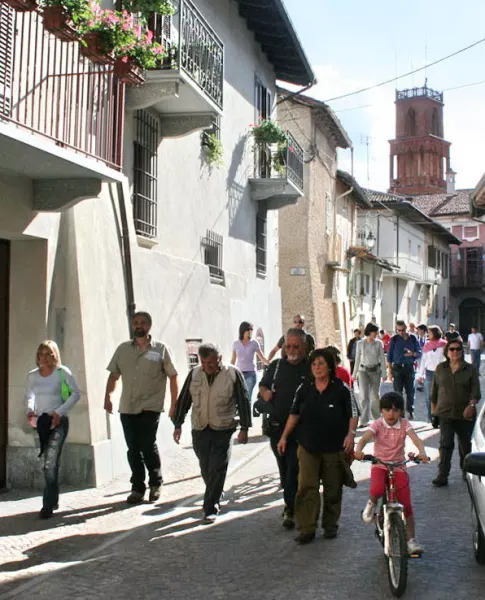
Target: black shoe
{"x": 155, "y": 491}
{"x": 45, "y": 512}
{"x": 330, "y": 534}
{"x": 435, "y": 422}
{"x": 135, "y": 497}
{"x": 288, "y": 520}
{"x": 304, "y": 538}
{"x": 440, "y": 481}
{"x": 411, "y": 416}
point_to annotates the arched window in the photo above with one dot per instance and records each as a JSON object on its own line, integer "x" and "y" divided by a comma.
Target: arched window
{"x": 411, "y": 122}
{"x": 435, "y": 123}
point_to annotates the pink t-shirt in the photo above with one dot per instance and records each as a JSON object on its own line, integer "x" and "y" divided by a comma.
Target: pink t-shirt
{"x": 389, "y": 440}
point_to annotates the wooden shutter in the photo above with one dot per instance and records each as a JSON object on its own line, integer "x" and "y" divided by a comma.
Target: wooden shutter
{"x": 7, "y": 16}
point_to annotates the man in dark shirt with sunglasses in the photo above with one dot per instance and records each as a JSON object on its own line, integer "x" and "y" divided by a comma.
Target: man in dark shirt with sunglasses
{"x": 298, "y": 323}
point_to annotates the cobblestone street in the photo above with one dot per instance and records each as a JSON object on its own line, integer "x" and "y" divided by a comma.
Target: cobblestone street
{"x": 97, "y": 547}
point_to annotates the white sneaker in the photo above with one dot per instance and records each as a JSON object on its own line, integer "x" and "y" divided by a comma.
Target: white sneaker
{"x": 414, "y": 547}
{"x": 368, "y": 512}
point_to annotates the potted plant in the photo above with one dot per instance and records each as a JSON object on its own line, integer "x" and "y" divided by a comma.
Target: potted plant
{"x": 141, "y": 54}
{"x": 22, "y": 5}
{"x": 105, "y": 31}
{"x": 63, "y": 18}
{"x": 268, "y": 132}
{"x": 213, "y": 147}
{"x": 279, "y": 159}
{"x": 147, "y": 7}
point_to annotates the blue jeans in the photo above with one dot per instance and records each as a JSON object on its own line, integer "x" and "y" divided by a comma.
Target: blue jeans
{"x": 250, "y": 379}
{"x": 476, "y": 359}
{"x": 404, "y": 379}
{"x": 428, "y": 382}
{"x": 52, "y": 458}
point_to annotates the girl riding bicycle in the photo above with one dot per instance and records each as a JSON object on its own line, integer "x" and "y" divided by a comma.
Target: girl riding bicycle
{"x": 389, "y": 434}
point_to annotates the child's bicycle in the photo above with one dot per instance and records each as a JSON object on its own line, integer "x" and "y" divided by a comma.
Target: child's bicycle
{"x": 391, "y": 527}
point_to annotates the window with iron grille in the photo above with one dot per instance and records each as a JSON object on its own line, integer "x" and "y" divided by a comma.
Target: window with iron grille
{"x": 261, "y": 243}
{"x": 145, "y": 173}
{"x": 192, "y": 346}
{"x": 215, "y": 129}
{"x": 262, "y": 101}
{"x": 212, "y": 253}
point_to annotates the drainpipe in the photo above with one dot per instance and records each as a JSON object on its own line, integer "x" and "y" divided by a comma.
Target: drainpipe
{"x": 397, "y": 256}
{"x": 127, "y": 263}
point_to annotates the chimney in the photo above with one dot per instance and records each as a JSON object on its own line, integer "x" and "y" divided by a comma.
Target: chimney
{"x": 450, "y": 181}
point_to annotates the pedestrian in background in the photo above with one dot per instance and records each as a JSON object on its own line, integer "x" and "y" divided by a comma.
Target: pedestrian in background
{"x": 341, "y": 372}
{"x": 216, "y": 393}
{"x": 404, "y": 351}
{"x": 244, "y": 351}
{"x": 50, "y": 394}
{"x": 433, "y": 355}
{"x": 352, "y": 348}
{"x": 412, "y": 330}
{"x": 474, "y": 346}
{"x": 327, "y": 420}
{"x": 452, "y": 334}
{"x": 144, "y": 366}
{"x": 385, "y": 338}
{"x": 422, "y": 333}
{"x": 277, "y": 388}
{"x": 454, "y": 396}
{"x": 369, "y": 370}
{"x": 298, "y": 323}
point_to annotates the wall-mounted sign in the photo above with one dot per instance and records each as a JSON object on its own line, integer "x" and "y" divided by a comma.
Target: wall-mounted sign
{"x": 297, "y": 271}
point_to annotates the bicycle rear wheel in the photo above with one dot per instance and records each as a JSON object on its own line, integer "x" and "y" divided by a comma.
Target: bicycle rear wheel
{"x": 397, "y": 561}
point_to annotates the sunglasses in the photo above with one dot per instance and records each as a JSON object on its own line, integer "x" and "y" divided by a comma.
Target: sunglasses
{"x": 400, "y": 330}
{"x": 455, "y": 349}
{"x": 298, "y": 322}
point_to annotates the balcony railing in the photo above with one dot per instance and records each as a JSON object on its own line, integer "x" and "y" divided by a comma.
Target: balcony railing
{"x": 192, "y": 47}
{"x": 271, "y": 162}
{"x": 418, "y": 92}
{"x": 47, "y": 87}
{"x": 462, "y": 279}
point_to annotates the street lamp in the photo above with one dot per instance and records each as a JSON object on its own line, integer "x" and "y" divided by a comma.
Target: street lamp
{"x": 371, "y": 240}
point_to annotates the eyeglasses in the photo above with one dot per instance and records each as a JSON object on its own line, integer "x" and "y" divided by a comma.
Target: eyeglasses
{"x": 293, "y": 346}
{"x": 400, "y": 330}
{"x": 455, "y": 349}
{"x": 300, "y": 322}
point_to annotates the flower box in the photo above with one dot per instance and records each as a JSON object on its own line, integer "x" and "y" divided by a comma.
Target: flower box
{"x": 57, "y": 22}
{"x": 128, "y": 72}
{"x": 22, "y": 5}
{"x": 93, "y": 47}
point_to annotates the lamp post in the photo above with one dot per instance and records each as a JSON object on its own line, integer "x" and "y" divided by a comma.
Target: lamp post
{"x": 370, "y": 240}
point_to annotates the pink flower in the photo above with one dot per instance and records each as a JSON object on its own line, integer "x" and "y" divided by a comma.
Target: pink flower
{"x": 124, "y": 59}
{"x": 291, "y": 149}
{"x": 149, "y": 36}
{"x": 137, "y": 31}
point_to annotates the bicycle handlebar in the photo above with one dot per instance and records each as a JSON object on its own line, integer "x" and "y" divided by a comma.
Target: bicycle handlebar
{"x": 377, "y": 461}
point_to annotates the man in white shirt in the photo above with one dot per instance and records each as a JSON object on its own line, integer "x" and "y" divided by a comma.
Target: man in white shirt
{"x": 474, "y": 346}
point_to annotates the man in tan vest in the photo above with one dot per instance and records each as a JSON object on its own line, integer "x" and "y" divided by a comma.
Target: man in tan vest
{"x": 216, "y": 393}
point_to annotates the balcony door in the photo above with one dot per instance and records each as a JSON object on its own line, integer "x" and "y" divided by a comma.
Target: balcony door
{"x": 4, "y": 284}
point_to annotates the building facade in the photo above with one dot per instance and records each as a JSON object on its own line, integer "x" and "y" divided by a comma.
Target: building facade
{"x": 109, "y": 202}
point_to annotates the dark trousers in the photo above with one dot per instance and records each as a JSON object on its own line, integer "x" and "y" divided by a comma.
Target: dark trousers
{"x": 141, "y": 438}
{"x": 288, "y": 468}
{"x": 52, "y": 458}
{"x": 448, "y": 428}
{"x": 403, "y": 377}
{"x": 476, "y": 359}
{"x": 352, "y": 365}
{"x": 213, "y": 449}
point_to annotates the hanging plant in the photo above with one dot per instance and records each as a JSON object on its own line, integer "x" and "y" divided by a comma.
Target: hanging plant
{"x": 64, "y": 18}
{"x": 280, "y": 159}
{"x": 268, "y": 132}
{"x": 214, "y": 148}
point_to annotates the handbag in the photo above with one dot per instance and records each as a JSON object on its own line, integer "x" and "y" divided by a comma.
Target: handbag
{"x": 65, "y": 389}
{"x": 270, "y": 427}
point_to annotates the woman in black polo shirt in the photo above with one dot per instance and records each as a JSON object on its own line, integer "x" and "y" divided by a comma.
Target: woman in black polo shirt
{"x": 327, "y": 418}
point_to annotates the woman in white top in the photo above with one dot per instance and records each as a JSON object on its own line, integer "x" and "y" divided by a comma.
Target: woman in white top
{"x": 369, "y": 370}
{"x": 50, "y": 394}
{"x": 433, "y": 355}
{"x": 243, "y": 355}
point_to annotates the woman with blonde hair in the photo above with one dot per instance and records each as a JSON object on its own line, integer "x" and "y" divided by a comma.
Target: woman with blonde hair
{"x": 50, "y": 394}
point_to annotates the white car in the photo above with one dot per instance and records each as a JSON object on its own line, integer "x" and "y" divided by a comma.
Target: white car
{"x": 475, "y": 468}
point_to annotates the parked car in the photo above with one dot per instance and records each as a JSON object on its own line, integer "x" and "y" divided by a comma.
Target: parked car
{"x": 475, "y": 468}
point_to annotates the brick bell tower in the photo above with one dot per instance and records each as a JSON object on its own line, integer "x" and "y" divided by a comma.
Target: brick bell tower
{"x": 420, "y": 157}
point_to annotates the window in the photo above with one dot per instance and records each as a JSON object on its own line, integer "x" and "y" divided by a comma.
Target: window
{"x": 470, "y": 233}
{"x": 444, "y": 307}
{"x": 215, "y": 129}
{"x": 435, "y": 123}
{"x": 261, "y": 241}
{"x": 445, "y": 267}
{"x": 411, "y": 122}
{"x": 192, "y": 346}
{"x": 212, "y": 251}
{"x": 262, "y": 101}
{"x": 432, "y": 256}
{"x": 145, "y": 172}
{"x": 438, "y": 259}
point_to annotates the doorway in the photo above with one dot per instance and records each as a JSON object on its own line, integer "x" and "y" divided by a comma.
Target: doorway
{"x": 4, "y": 284}
{"x": 472, "y": 314}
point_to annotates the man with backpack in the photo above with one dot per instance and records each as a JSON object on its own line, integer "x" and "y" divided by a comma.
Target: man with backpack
{"x": 404, "y": 351}
{"x": 277, "y": 391}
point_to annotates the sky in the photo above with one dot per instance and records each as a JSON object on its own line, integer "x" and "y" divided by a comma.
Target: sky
{"x": 353, "y": 44}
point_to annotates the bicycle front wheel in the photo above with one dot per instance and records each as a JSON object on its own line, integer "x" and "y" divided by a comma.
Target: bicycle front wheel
{"x": 397, "y": 561}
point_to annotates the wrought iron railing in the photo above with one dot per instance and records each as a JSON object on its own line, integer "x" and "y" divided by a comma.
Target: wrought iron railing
{"x": 462, "y": 279}
{"x": 419, "y": 91}
{"x": 49, "y": 88}
{"x": 279, "y": 161}
{"x": 193, "y": 47}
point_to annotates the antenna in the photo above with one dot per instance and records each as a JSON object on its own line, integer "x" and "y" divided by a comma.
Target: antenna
{"x": 426, "y": 61}
{"x": 366, "y": 140}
